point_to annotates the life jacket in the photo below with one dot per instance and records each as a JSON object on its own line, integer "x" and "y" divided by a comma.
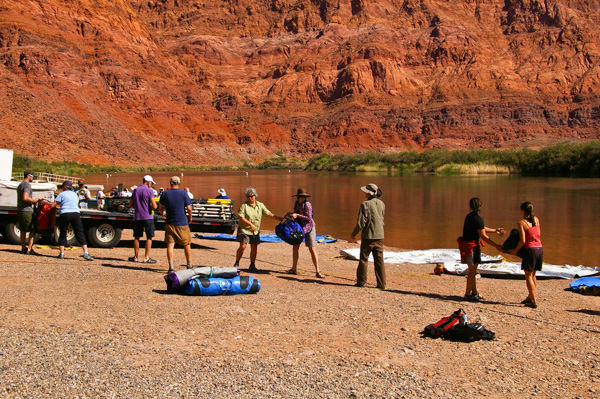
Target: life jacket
{"x": 45, "y": 219}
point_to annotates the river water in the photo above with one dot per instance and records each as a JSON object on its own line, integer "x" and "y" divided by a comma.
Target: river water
{"x": 423, "y": 211}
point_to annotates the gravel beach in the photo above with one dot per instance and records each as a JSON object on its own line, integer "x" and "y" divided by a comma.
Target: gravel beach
{"x": 108, "y": 329}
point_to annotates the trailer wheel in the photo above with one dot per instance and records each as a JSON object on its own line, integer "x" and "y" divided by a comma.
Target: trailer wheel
{"x": 13, "y": 234}
{"x": 104, "y": 236}
{"x": 71, "y": 239}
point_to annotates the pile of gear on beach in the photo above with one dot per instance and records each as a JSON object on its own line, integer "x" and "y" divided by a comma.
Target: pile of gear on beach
{"x": 211, "y": 281}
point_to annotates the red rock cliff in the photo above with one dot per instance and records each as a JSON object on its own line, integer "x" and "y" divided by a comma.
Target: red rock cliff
{"x": 213, "y": 82}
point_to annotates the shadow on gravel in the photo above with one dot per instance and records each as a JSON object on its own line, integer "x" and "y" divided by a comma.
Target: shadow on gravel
{"x": 311, "y": 280}
{"x": 586, "y": 311}
{"x": 164, "y": 292}
{"x": 133, "y": 267}
{"x": 158, "y": 244}
{"x": 436, "y": 296}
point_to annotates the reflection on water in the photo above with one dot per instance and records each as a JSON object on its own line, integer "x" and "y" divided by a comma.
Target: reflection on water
{"x": 422, "y": 211}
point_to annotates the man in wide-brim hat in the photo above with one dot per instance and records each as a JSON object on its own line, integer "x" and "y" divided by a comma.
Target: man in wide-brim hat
{"x": 371, "y": 223}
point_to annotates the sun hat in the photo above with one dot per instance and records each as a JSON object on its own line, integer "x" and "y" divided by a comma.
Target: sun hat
{"x": 67, "y": 183}
{"x": 222, "y": 191}
{"x": 149, "y": 178}
{"x": 301, "y": 193}
{"x": 175, "y": 180}
{"x": 370, "y": 189}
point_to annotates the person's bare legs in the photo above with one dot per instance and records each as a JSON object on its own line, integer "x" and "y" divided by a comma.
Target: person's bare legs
{"x": 148, "y": 246}
{"x": 240, "y": 252}
{"x": 531, "y": 282}
{"x": 136, "y": 247}
{"x": 170, "y": 247}
{"x": 295, "y": 256}
{"x": 253, "y": 252}
{"x": 315, "y": 260}
{"x": 472, "y": 281}
{"x": 188, "y": 255}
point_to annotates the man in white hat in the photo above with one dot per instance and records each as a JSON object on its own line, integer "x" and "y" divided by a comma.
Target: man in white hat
{"x": 370, "y": 222}
{"x": 222, "y": 194}
{"x": 143, "y": 203}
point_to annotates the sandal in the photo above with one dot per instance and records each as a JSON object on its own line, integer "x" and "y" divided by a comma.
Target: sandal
{"x": 532, "y": 305}
{"x": 132, "y": 259}
{"x": 319, "y": 275}
{"x": 291, "y": 271}
{"x": 526, "y": 301}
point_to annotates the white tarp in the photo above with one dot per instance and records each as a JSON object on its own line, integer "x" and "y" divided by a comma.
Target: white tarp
{"x": 8, "y": 192}
{"x": 450, "y": 258}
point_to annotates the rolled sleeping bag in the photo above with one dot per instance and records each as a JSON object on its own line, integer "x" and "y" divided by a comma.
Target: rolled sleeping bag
{"x": 220, "y": 286}
{"x": 177, "y": 280}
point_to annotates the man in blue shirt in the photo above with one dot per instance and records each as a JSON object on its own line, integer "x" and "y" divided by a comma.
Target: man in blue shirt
{"x": 173, "y": 205}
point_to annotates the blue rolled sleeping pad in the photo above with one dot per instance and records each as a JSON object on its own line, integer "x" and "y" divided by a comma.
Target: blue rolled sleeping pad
{"x": 210, "y": 286}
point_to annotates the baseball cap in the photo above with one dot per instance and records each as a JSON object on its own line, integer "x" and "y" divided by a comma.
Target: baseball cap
{"x": 28, "y": 172}
{"x": 149, "y": 178}
{"x": 175, "y": 179}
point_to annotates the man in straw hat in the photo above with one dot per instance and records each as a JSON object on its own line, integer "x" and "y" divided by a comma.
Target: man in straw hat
{"x": 370, "y": 222}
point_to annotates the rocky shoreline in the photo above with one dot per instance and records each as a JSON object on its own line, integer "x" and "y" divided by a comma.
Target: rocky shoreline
{"x": 108, "y": 329}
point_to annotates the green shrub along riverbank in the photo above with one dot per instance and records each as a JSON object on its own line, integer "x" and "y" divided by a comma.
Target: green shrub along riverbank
{"x": 558, "y": 160}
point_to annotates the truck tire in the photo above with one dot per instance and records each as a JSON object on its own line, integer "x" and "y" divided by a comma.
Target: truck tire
{"x": 104, "y": 235}
{"x": 71, "y": 239}
{"x": 13, "y": 234}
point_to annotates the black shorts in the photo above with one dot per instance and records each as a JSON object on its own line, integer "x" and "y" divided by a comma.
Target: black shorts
{"x": 139, "y": 226}
{"x": 532, "y": 259}
{"x": 475, "y": 257}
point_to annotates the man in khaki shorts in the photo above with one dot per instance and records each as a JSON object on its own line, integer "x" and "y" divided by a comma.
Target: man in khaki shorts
{"x": 172, "y": 206}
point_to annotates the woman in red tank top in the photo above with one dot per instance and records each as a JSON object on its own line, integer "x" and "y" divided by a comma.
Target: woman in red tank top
{"x": 533, "y": 254}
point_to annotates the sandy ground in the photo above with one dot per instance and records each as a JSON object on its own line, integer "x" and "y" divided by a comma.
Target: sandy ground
{"x": 108, "y": 329}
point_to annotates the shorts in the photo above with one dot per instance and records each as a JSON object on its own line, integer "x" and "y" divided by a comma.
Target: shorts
{"x": 475, "y": 257}
{"x": 532, "y": 259}
{"x": 310, "y": 238}
{"x": 25, "y": 221}
{"x": 178, "y": 234}
{"x": 139, "y": 226}
{"x": 246, "y": 239}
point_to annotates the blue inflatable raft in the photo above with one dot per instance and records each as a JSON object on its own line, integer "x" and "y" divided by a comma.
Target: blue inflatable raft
{"x": 211, "y": 286}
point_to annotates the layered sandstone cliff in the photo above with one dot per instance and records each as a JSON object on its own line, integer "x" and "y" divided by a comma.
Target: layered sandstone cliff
{"x": 216, "y": 82}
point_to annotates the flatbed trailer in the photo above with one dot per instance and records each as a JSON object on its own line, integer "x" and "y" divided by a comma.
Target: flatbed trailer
{"x": 103, "y": 228}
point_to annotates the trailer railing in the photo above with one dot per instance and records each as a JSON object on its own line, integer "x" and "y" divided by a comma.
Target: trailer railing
{"x": 47, "y": 177}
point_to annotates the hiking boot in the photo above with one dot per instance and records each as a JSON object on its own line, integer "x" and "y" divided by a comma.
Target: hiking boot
{"x": 87, "y": 256}
{"x": 150, "y": 261}
{"x": 253, "y": 267}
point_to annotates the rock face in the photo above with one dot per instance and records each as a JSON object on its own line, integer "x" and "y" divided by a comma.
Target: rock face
{"x": 173, "y": 82}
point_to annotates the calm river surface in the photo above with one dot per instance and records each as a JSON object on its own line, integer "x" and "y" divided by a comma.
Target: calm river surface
{"x": 422, "y": 211}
